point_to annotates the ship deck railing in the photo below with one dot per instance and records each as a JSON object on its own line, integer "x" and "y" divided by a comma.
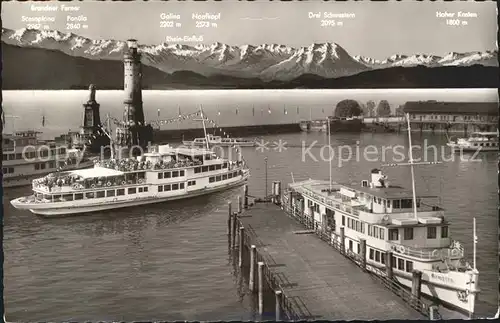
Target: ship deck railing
{"x": 426, "y": 253}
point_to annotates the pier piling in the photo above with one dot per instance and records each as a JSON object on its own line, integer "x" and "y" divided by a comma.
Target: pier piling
{"x": 342, "y": 240}
{"x": 229, "y": 217}
{"x": 245, "y": 196}
{"x": 362, "y": 246}
{"x": 253, "y": 256}
{"x": 416, "y": 284}
{"x": 278, "y": 295}
{"x": 239, "y": 204}
{"x": 388, "y": 264}
{"x": 233, "y": 230}
{"x": 240, "y": 251}
{"x": 261, "y": 286}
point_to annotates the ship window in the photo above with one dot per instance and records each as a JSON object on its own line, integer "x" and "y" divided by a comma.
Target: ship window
{"x": 382, "y": 258}
{"x": 393, "y": 234}
{"x": 208, "y": 157}
{"x": 181, "y": 173}
{"x": 409, "y": 266}
{"x": 359, "y": 249}
{"x": 140, "y": 189}
{"x": 375, "y": 232}
{"x": 401, "y": 264}
{"x": 197, "y": 170}
{"x": 218, "y": 178}
{"x": 408, "y": 233}
{"x": 175, "y": 173}
{"x": 431, "y": 233}
{"x": 350, "y": 245}
{"x": 362, "y": 227}
{"x": 132, "y": 190}
{"x": 406, "y": 204}
{"x": 377, "y": 256}
{"x": 181, "y": 186}
{"x": 160, "y": 188}
{"x": 211, "y": 167}
{"x": 52, "y": 164}
{"x": 175, "y": 187}
{"x": 381, "y": 233}
{"x": 90, "y": 195}
{"x": 68, "y": 197}
{"x": 145, "y": 189}
{"x": 393, "y": 261}
{"x": 370, "y": 230}
{"x": 371, "y": 254}
{"x": 62, "y": 150}
{"x": 79, "y": 196}
{"x": 100, "y": 194}
{"x": 44, "y": 153}
{"x": 230, "y": 175}
{"x": 224, "y": 177}
{"x": 141, "y": 175}
{"x": 167, "y": 175}
{"x": 218, "y": 166}
{"x": 388, "y": 203}
{"x": 224, "y": 165}
{"x": 37, "y": 166}
{"x": 120, "y": 191}
{"x": 396, "y": 204}
{"x": 19, "y": 156}
{"x": 343, "y": 220}
{"x": 4, "y": 157}
{"x": 204, "y": 168}
{"x": 211, "y": 179}
{"x": 444, "y": 232}
{"x": 235, "y": 174}
{"x": 160, "y": 175}
{"x": 110, "y": 193}
{"x": 166, "y": 188}
{"x": 191, "y": 183}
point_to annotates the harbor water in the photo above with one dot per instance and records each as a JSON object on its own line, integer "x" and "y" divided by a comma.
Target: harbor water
{"x": 170, "y": 261}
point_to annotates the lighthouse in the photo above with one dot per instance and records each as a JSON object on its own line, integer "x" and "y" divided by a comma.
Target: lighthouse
{"x": 132, "y": 132}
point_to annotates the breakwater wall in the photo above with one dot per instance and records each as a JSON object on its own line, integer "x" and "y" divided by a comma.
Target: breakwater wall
{"x": 238, "y": 131}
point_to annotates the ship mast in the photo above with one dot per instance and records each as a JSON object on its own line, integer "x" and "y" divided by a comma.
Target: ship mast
{"x": 329, "y": 153}
{"x": 410, "y": 161}
{"x": 204, "y": 127}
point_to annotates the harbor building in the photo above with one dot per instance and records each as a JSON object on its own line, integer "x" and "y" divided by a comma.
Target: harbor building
{"x": 132, "y": 131}
{"x": 463, "y": 117}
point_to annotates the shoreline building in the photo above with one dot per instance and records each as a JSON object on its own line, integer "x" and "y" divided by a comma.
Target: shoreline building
{"x": 464, "y": 117}
{"x": 132, "y": 131}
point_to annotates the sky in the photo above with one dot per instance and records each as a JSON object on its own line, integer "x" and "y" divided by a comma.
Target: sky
{"x": 378, "y": 30}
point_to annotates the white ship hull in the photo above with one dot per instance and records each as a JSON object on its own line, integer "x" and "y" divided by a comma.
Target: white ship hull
{"x": 445, "y": 295}
{"x": 220, "y": 144}
{"x": 83, "y": 206}
{"x": 469, "y": 148}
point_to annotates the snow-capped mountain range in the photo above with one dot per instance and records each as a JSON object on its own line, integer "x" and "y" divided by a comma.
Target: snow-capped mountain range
{"x": 266, "y": 61}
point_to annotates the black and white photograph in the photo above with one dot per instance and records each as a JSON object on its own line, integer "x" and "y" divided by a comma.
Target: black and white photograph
{"x": 250, "y": 160}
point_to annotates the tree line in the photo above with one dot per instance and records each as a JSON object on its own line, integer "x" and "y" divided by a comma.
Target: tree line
{"x": 352, "y": 108}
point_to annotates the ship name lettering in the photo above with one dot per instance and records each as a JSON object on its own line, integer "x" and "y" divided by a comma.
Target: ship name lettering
{"x": 442, "y": 278}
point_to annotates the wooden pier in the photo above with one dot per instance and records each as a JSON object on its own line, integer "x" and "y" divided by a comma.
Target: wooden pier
{"x": 313, "y": 276}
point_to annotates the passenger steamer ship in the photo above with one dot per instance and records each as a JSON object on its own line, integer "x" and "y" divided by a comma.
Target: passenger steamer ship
{"x": 477, "y": 141}
{"x": 391, "y": 219}
{"x": 163, "y": 174}
{"x": 25, "y": 157}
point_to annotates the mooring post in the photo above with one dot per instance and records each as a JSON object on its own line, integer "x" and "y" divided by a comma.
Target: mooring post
{"x": 245, "y": 196}
{"x": 242, "y": 241}
{"x": 416, "y": 285}
{"x": 278, "y": 295}
{"x": 239, "y": 204}
{"x": 261, "y": 286}
{"x": 432, "y": 312}
{"x": 342, "y": 240}
{"x": 362, "y": 245}
{"x": 388, "y": 264}
{"x": 253, "y": 256}
{"x": 233, "y": 230}
{"x": 230, "y": 214}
